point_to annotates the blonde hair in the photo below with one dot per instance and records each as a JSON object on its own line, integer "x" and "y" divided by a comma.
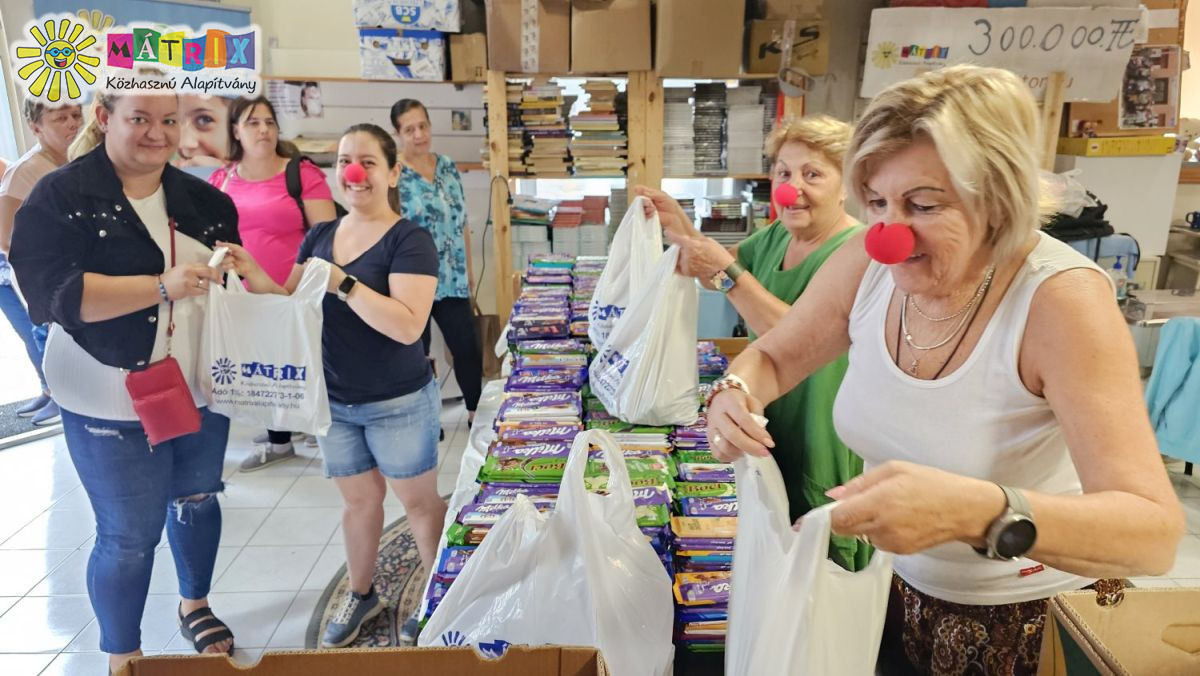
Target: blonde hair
{"x": 984, "y": 124}
{"x": 827, "y": 135}
{"x": 91, "y": 136}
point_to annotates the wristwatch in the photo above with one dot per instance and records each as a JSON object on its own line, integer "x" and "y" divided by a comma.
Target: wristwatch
{"x": 725, "y": 279}
{"x": 1013, "y": 533}
{"x": 344, "y": 289}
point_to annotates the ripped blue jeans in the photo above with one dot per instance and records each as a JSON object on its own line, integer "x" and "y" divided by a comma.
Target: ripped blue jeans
{"x": 135, "y": 489}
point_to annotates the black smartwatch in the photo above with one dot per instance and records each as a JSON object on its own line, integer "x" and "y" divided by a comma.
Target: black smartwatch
{"x": 343, "y": 290}
{"x": 1013, "y": 533}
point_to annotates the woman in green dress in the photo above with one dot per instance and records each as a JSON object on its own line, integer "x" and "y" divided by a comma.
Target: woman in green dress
{"x": 763, "y": 276}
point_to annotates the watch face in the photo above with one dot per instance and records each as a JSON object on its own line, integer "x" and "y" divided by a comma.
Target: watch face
{"x": 1016, "y": 538}
{"x": 722, "y": 282}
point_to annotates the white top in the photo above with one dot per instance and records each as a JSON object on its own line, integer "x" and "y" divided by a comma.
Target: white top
{"x": 86, "y": 387}
{"x": 20, "y": 176}
{"x": 979, "y": 421}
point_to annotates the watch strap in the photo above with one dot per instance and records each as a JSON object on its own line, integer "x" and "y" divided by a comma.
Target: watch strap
{"x": 1017, "y": 502}
{"x": 735, "y": 270}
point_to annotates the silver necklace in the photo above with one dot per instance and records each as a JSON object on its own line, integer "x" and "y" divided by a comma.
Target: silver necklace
{"x": 963, "y": 314}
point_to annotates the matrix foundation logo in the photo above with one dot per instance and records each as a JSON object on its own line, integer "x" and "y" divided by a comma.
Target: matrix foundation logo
{"x": 216, "y": 59}
{"x": 57, "y": 59}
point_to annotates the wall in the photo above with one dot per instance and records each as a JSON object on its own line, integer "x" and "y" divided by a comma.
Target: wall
{"x": 836, "y": 94}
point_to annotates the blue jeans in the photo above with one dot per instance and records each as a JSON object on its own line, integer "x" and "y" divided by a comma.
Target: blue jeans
{"x": 134, "y": 489}
{"x": 14, "y": 311}
{"x": 399, "y": 436}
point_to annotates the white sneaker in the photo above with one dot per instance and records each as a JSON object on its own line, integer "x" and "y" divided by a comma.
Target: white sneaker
{"x": 268, "y": 454}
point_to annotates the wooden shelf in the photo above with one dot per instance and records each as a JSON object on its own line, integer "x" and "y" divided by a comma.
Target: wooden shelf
{"x": 1190, "y": 173}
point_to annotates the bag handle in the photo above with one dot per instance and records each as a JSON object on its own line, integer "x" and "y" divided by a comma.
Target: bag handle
{"x": 171, "y": 303}
{"x": 314, "y": 283}
{"x": 572, "y": 497}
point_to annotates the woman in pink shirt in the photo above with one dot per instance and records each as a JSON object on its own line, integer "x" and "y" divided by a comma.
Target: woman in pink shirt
{"x": 270, "y": 221}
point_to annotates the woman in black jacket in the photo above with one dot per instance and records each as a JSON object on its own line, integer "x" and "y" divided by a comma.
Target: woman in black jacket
{"x": 113, "y": 250}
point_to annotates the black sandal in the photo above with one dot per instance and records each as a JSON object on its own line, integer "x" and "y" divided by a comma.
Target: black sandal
{"x": 199, "y": 621}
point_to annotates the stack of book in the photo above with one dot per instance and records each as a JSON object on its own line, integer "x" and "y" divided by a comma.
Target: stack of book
{"x": 726, "y": 220}
{"x": 708, "y": 128}
{"x": 546, "y": 131}
{"x": 599, "y": 147}
{"x": 679, "y": 156}
{"x": 745, "y": 132}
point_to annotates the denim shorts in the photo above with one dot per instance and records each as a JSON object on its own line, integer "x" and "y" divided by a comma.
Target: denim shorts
{"x": 399, "y": 436}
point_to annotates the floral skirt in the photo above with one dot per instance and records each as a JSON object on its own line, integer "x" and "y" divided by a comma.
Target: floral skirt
{"x": 943, "y": 638}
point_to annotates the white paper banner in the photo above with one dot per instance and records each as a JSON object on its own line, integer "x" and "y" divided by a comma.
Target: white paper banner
{"x": 1092, "y": 45}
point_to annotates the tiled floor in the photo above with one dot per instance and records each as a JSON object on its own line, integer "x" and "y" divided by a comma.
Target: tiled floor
{"x": 280, "y": 545}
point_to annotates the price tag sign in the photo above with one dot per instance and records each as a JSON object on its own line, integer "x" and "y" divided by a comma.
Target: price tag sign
{"x": 1092, "y": 45}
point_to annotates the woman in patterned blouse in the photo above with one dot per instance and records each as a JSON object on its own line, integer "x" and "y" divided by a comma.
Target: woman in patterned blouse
{"x": 431, "y": 195}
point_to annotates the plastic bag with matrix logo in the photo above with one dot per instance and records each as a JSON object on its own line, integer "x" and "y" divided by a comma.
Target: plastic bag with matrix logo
{"x": 260, "y": 354}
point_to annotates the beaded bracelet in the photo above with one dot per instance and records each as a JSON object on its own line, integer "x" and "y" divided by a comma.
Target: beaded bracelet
{"x": 162, "y": 289}
{"x": 726, "y": 382}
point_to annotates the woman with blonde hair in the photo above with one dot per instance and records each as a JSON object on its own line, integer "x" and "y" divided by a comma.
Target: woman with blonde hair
{"x": 764, "y": 275}
{"x": 992, "y": 389}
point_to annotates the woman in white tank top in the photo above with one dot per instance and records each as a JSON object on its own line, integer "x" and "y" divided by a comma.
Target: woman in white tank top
{"x": 992, "y": 389}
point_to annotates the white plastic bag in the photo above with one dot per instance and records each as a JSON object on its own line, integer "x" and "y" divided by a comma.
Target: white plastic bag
{"x": 582, "y": 574}
{"x": 791, "y": 609}
{"x": 636, "y": 247}
{"x": 260, "y": 354}
{"x": 646, "y": 371}
{"x": 1069, "y": 196}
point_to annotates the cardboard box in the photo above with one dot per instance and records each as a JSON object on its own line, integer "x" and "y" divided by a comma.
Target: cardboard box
{"x": 541, "y": 44}
{"x": 1116, "y": 146}
{"x": 517, "y": 661}
{"x": 1147, "y": 104}
{"x": 699, "y": 38}
{"x": 1153, "y": 631}
{"x": 468, "y": 57}
{"x": 610, "y": 36}
{"x": 437, "y": 15}
{"x": 1166, "y": 21}
{"x": 810, "y": 46}
{"x": 401, "y": 54}
{"x": 789, "y": 9}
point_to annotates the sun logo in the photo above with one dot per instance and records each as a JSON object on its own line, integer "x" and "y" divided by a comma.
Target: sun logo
{"x": 57, "y": 59}
{"x": 886, "y": 55}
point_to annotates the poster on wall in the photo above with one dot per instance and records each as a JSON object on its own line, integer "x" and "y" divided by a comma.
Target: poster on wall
{"x": 1150, "y": 94}
{"x": 296, "y": 99}
{"x": 1092, "y": 45}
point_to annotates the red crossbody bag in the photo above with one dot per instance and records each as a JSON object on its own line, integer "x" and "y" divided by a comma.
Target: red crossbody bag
{"x": 161, "y": 396}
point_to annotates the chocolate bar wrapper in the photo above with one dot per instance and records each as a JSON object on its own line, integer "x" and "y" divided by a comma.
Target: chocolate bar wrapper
{"x": 598, "y": 483}
{"x": 545, "y": 361}
{"x": 703, "y": 457}
{"x": 529, "y": 451}
{"x": 488, "y": 514}
{"x": 563, "y": 346}
{"x": 507, "y": 492}
{"x": 435, "y": 593}
{"x": 545, "y": 381}
{"x": 652, "y": 495}
{"x": 709, "y": 506}
{"x": 556, "y": 330}
{"x": 704, "y": 526}
{"x": 704, "y": 544}
{"x": 452, "y": 560}
{"x": 700, "y": 589}
{"x": 551, "y": 406}
{"x": 614, "y": 426}
{"x": 456, "y": 534}
{"x": 534, "y": 432}
{"x": 694, "y": 471}
{"x": 531, "y": 470}
{"x": 652, "y": 515}
{"x": 634, "y": 465}
{"x": 710, "y": 489}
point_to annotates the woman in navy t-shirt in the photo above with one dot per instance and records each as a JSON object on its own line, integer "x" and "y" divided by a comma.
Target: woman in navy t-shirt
{"x": 382, "y": 395}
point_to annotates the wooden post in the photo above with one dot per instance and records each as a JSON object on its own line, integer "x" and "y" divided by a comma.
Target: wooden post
{"x": 644, "y": 95}
{"x": 1052, "y": 108}
{"x": 498, "y": 164}
{"x": 793, "y": 107}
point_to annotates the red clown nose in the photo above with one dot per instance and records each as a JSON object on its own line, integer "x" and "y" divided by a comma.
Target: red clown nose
{"x": 354, "y": 173}
{"x": 786, "y": 195}
{"x": 890, "y": 244}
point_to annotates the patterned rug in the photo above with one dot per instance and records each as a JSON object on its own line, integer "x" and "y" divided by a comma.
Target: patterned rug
{"x": 399, "y": 578}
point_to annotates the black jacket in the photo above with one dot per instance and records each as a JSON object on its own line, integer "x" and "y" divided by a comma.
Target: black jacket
{"x": 78, "y": 220}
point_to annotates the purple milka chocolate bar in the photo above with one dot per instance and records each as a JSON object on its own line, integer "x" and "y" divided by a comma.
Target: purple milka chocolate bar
{"x": 551, "y": 405}
{"x": 564, "y": 433}
{"x": 651, "y": 495}
{"x": 709, "y": 506}
{"x": 704, "y": 544}
{"x": 545, "y": 380}
{"x": 552, "y": 449}
{"x": 704, "y": 472}
{"x": 564, "y": 346}
{"x": 507, "y": 492}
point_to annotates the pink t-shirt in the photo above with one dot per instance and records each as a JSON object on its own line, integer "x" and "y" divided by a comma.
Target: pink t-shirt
{"x": 269, "y": 220}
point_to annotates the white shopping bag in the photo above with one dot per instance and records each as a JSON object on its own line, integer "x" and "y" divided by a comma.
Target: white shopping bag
{"x": 646, "y": 372}
{"x": 260, "y": 354}
{"x": 582, "y": 574}
{"x": 636, "y": 247}
{"x": 791, "y": 609}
